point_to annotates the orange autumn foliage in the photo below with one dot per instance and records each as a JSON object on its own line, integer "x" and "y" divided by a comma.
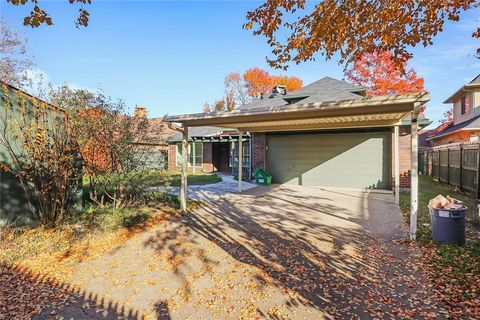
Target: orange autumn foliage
{"x": 95, "y": 153}
{"x": 297, "y": 31}
{"x": 380, "y": 75}
{"x": 260, "y": 82}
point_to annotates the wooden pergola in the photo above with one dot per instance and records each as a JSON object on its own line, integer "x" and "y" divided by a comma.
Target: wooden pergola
{"x": 376, "y": 112}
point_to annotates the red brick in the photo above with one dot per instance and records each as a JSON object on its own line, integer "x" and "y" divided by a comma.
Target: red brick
{"x": 172, "y": 157}
{"x": 207, "y": 157}
{"x": 405, "y": 151}
{"x": 258, "y": 150}
{"x": 458, "y": 137}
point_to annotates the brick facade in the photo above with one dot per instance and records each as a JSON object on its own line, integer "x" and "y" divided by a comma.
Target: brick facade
{"x": 457, "y": 137}
{"x": 207, "y": 157}
{"x": 172, "y": 157}
{"x": 258, "y": 156}
{"x": 405, "y": 148}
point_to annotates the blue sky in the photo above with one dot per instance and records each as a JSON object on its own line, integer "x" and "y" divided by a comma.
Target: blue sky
{"x": 173, "y": 56}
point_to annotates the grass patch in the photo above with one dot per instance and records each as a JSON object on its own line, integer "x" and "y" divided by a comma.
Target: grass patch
{"x": 454, "y": 270}
{"x": 429, "y": 189}
{"x": 172, "y": 178}
{"x": 92, "y": 225}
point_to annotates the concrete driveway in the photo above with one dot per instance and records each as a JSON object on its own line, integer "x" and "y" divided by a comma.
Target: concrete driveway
{"x": 272, "y": 252}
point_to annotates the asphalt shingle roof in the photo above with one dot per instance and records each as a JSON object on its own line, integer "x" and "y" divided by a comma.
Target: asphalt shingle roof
{"x": 197, "y": 132}
{"x": 472, "y": 124}
{"x": 325, "y": 89}
{"x": 476, "y": 80}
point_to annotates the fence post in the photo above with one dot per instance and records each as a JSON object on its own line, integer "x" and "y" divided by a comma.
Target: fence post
{"x": 461, "y": 167}
{"x": 478, "y": 171}
{"x": 448, "y": 165}
{"x": 439, "y": 166}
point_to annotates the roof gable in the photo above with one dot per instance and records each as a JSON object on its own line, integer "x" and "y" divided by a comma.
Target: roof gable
{"x": 323, "y": 90}
{"x": 475, "y": 83}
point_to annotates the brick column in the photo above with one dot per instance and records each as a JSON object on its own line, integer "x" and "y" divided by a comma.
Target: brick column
{"x": 207, "y": 157}
{"x": 172, "y": 157}
{"x": 405, "y": 156}
{"x": 259, "y": 140}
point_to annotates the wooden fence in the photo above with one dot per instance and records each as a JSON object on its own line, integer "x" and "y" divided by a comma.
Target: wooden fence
{"x": 457, "y": 165}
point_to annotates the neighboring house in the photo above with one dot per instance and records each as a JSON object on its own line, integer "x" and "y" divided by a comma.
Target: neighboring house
{"x": 13, "y": 202}
{"x": 153, "y": 147}
{"x": 465, "y": 127}
{"x": 325, "y": 134}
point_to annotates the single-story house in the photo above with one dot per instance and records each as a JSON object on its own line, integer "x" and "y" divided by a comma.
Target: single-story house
{"x": 326, "y": 134}
{"x": 464, "y": 126}
{"x": 316, "y": 136}
{"x": 153, "y": 146}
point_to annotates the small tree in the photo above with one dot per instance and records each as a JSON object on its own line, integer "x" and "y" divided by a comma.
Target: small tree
{"x": 44, "y": 154}
{"x": 107, "y": 138}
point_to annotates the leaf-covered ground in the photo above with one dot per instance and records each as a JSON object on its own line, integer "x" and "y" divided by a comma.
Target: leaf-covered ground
{"x": 453, "y": 271}
{"x": 274, "y": 253}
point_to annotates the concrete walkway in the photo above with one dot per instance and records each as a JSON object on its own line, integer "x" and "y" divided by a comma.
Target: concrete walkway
{"x": 210, "y": 192}
{"x": 271, "y": 252}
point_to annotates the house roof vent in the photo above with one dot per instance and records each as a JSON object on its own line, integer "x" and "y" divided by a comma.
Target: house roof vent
{"x": 278, "y": 90}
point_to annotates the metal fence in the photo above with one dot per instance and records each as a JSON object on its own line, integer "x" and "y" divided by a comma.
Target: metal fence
{"x": 457, "y": 165}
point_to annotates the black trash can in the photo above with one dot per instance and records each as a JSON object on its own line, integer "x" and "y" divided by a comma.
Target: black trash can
{"x": 448, "y": 225}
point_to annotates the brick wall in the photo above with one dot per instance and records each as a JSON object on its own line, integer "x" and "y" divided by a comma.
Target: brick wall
{"x": 458, "y": 137}
{"x": 172, "y": 157}
{"x": 405, "y": 148}
{"x": 258, "y": 150}
{"x": 207, "y": 157}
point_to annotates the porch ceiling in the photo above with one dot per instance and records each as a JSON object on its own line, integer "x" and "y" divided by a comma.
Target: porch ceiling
{"x": 373, "y": 112}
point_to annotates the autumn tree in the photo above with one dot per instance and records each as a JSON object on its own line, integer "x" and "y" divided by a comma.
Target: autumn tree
{"x": 14, "y": 58}
{"x": 252, "y": 84}
{"x": 38, "y": 16}
{"x": 351, "y": 28}
{"x": 235, "y": 84}
{"x": 107, "y": 137}
{"x": 447, "y": 117}
{"x": 380, "y": 75}
{"x": 206, "y": 108}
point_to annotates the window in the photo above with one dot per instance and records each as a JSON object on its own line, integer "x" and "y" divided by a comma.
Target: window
{"x": 465, "y": 105}
{"x": 198, "y": 154}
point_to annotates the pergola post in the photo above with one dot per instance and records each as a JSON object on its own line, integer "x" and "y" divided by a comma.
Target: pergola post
{"x": 397, "y": 164}
{"x": 240, "y": 160}
{"x": 183, "y": 180}
{"x": 414, "y": 181}
{"x": 193, "y": 157}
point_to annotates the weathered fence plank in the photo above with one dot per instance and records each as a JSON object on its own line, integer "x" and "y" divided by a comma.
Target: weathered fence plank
{"x": 457, "y": 165}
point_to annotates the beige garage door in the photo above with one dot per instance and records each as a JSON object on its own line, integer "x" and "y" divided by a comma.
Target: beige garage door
{"x": 357, "y": 159}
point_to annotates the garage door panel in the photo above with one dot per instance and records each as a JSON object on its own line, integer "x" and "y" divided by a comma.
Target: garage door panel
{"x": 351, "y": 160}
